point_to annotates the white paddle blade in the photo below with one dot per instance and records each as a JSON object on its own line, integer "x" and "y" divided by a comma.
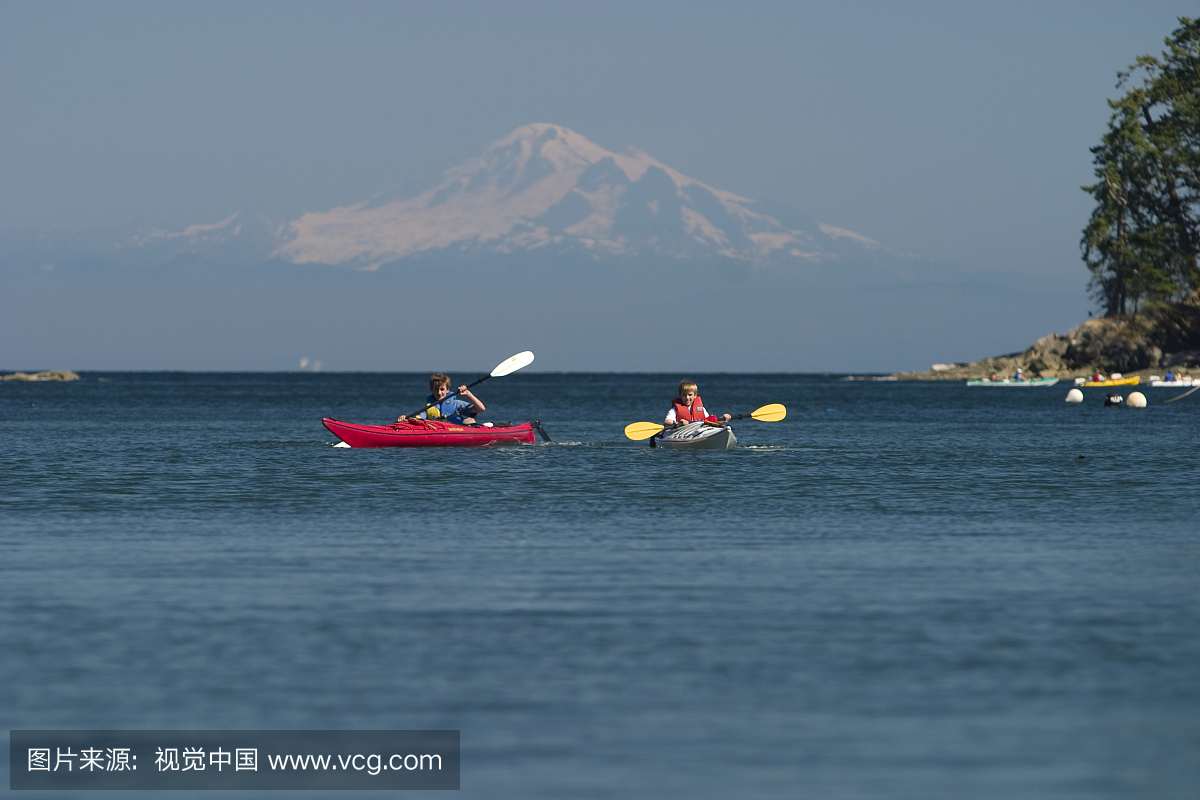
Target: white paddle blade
{"x": 511, "y": 365}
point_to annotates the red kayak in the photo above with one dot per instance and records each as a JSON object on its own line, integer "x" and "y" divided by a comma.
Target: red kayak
{"x": 430, "y": 433}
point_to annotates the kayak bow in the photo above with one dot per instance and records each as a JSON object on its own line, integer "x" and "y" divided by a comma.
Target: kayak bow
{"x": 696, "y": 436}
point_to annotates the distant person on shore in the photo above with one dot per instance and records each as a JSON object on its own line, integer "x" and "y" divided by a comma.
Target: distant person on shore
{"x": 688, "y": 407}
{"x": 451, "y": 409}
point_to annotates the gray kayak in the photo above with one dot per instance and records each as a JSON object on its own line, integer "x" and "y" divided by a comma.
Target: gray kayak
{"x": 696, "y": 436}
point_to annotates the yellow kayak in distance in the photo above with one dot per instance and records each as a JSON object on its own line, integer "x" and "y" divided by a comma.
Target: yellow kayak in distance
{"x": 1118, "y": 382}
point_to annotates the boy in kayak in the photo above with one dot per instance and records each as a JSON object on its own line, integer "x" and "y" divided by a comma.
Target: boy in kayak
{"x": 688, "y": 407}
{"x": 451, "y": 409}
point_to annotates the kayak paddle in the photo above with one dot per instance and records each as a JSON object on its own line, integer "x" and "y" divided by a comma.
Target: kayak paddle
{"x": 644, "y": 430}
{"x": 772, "y": 412}
{"x": 505, "y": 367}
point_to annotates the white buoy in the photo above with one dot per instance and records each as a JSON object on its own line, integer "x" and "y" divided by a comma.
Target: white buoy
{"x": 1136, "y": 400}
{"x": 1074, "y": 396}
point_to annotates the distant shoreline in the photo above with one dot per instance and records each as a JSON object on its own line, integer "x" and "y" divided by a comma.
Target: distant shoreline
{"x": 1167, "y": 338}
{"x": 47, "y": 375}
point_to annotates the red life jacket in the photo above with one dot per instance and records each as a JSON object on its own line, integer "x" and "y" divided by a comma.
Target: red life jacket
{"x": 689, "y": 413}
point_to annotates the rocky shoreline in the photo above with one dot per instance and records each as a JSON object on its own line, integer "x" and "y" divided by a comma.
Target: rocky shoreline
{"x": 1164, "y": 339}
{"x": 48, "y": 375}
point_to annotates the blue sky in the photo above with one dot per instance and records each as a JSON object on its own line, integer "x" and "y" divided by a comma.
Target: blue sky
{"x": 957, "y": 131}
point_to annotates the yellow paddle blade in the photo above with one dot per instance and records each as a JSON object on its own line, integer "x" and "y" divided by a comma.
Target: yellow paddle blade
{"x": 769, "y": 413}
{"x": 641, "y": 430}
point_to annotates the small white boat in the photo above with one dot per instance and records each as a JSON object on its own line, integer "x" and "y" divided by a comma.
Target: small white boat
{"x": 1025, "y": 384}
{"x": 1185, "y": 382}
{"x": 696, "y": 436}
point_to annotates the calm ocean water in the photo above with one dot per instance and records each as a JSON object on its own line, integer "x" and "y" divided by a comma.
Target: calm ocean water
{"x": 901, "y": 591}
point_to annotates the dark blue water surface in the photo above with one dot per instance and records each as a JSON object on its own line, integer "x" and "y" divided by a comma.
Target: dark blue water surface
{"x": 903, "y": 590}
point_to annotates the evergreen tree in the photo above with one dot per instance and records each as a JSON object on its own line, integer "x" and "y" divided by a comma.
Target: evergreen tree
{"x": 1143, "y": 236}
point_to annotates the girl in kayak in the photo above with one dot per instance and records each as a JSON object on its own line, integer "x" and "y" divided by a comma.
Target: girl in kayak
{"x": 688, "y": 407}
{"x": 450, "y": 409}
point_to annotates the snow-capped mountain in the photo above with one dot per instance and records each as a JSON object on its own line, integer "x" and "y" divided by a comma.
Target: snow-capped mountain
{"x": 545, "y": 242}
{"x": 546, "y": 187}
{"x": 541, "y": 189}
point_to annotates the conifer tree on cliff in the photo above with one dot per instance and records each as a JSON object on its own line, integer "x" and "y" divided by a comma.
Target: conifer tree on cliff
{"x": 1143, "y": 236}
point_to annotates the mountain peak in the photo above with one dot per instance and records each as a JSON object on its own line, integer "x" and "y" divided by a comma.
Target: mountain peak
{"x": 566, "y": 148}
